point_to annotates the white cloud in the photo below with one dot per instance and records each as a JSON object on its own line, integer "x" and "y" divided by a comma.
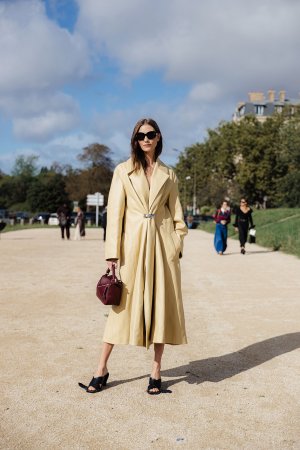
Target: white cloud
{"x": 44, "y": 125}
{"x": 220, "y": 51}
{"x": 65, "y": 149}
{"x": 38, "y": 117}
{"x": 182, "y": 125}
{"x": 37, "y": 54}
{"x": 204, "y": 92}
{"x": 37, "y": 59}
{"x": 238, "y": 46}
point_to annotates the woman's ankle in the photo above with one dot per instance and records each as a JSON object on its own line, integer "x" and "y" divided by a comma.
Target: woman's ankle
{"x": 155, "y": 373}
{"x": 101, "y": 372}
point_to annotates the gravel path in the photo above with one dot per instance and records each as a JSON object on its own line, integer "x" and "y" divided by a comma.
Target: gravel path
{"x": 234, "y": 386}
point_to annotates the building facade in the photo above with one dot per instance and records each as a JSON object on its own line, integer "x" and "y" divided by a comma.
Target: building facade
{"x": 262, "y": 106}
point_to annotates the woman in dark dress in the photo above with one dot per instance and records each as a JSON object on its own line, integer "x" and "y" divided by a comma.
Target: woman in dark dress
{"x": 243, "y": 222}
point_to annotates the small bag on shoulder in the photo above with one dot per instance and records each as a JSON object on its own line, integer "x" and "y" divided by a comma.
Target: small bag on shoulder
{"x": 109, "y": 288}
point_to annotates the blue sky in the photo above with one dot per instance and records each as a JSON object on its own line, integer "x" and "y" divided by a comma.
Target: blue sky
{"x": 74, "y": 72}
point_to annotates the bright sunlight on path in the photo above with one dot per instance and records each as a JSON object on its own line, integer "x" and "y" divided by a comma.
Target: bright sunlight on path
{"x": 234, "y": 386}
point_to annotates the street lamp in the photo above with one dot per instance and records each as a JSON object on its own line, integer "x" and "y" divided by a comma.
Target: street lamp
{"x": 194, "y": 194}
{"x": 186, "y": 179}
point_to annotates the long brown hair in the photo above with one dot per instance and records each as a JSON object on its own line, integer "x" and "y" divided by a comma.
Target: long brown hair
{"x": 137, "y": 154}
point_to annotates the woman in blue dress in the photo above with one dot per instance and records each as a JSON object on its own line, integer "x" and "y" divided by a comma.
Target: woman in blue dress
{"x": 222, "y": 219}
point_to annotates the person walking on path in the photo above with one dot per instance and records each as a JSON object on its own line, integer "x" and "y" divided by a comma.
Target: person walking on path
{"x": 222, "y": 219}
{"x": 145, "y": 231}
{"x": 104, "y": 222}
{"x": 64, "y": 219}
{"x": 80, "y": 225}
{"x": 243, "y": 222}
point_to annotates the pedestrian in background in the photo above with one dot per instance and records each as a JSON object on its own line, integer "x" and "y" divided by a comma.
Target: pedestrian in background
{"x": 64, "y": 220}
{"x": 243, "y": 222}
{"x": 80, "y": 225}
{"x": 145, "y": 231}
{"x": 190, "y": 222}
{"x": 104, "y": 222}
{"x": 222, "y": 219}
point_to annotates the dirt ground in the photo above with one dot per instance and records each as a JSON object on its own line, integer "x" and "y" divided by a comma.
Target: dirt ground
{"x": 234, "y": 386}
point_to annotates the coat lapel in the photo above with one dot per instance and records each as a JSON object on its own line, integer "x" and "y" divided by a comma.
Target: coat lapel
{"x": 140, "y": 185}
{"x": 139, "y": 182}
{"x": 159, "y": 177}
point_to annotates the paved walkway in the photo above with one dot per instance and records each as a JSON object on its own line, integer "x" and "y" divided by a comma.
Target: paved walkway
{"x": 234, "y": 386}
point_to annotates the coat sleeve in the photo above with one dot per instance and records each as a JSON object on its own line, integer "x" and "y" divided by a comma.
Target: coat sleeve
{"x": 176, "y": 211}
{"x": 115, "y": 213}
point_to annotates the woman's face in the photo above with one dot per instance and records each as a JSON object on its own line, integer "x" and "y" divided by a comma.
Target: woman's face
{"x": 147, "y": 142}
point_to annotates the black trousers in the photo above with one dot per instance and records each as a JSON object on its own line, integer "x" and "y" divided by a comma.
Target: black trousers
{"x": 243, "y": 233}
{"x": 62, "y": 229}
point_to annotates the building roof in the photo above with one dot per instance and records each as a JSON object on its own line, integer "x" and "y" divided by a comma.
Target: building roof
{"x": 269, "y": 105}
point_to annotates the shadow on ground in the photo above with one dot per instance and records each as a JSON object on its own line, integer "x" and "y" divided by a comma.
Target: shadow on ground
{"x": 219, "y": 368}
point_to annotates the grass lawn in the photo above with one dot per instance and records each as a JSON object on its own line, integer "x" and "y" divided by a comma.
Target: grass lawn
{"x": 278, "y": 229}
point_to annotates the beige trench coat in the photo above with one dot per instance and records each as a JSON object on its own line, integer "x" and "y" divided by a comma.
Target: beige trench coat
{"x": 145, "y": 230}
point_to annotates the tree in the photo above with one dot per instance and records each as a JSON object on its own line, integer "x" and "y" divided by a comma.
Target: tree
{"x": 47, "y": 192}
{"x": 96, "y": 155}
{"x": 96, "y": 177}
{"x": 248, "y": 158}
{"x": 25, "y": 166}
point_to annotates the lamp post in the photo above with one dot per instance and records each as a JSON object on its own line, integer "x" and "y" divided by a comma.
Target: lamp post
{"x": 194, "y": 195}
{"x": 186, "y": 179}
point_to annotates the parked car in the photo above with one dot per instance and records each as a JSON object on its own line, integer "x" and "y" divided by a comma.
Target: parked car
{"x": 73, "y": 218}
{"x": 41, "y": 217}
{"x": 91, "y": 216}
{"x": 4, "y": 217}
{"x": 53, "y": 219}
{"x": 22, "y": 216}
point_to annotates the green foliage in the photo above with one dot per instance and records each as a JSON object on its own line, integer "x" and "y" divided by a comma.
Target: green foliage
{"x": 47, "y": 192}
{"x": 96, "y": 177}
{"x": 25, "y": 166}
{"x": 249, "y": 158}
{"x": 26, "y": 189}
{"x": 96, "y": 155}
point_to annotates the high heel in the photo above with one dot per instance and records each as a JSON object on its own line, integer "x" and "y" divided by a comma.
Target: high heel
{"x": 154, "y": 384}
{"x": 97, "y": 383}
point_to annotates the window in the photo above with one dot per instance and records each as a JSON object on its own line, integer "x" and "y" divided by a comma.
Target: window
{"x": 242, "y": 111}
{"x": 259, "y": 110}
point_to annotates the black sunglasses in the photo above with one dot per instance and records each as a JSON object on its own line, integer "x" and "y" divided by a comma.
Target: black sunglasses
{"x": 141, "y": 136}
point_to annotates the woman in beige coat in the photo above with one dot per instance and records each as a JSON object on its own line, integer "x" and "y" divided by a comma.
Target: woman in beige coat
{"x": 145, "y": 231}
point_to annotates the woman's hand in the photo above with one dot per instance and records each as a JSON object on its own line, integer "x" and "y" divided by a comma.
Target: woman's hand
{"x": 112, "y": 262}
{"x": 236, "y": 229}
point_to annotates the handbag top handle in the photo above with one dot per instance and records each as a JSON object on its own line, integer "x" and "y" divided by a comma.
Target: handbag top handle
{"x": 113, "y": 272}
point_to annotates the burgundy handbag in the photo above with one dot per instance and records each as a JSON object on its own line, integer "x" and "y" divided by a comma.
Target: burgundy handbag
{"x": 109, "y": 288}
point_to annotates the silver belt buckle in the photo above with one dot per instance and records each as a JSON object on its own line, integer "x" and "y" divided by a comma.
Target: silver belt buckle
{"x": 149, "y": 216}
